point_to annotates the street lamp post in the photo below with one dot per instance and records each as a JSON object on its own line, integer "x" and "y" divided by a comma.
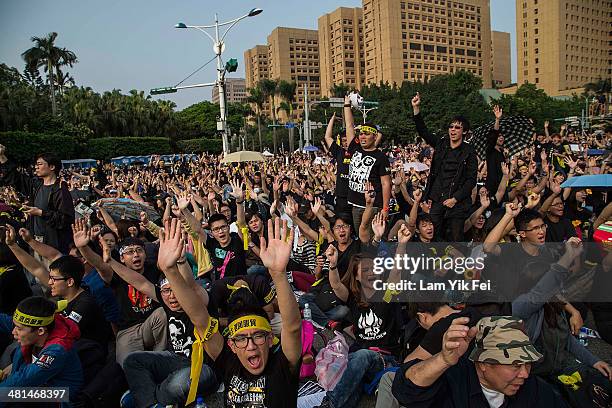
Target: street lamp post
{"x": 218, "y": 48}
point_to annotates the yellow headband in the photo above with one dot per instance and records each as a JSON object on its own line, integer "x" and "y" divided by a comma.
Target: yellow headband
{"x": 248, "y": 322}
{"x": 36, "y": 321}
{"x": 32, "y": 321}
{"x": 367, "y": 129}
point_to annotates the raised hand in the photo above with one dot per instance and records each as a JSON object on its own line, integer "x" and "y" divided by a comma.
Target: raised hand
{"x": 546, "y": 123}
{"x": 275, "y": 251}
{"x": 332, "y": 256}
{"x": 532, "y": 168}
{"x": 416, "y": 101}
{"x": 404, "y": 235}
{"x": 171, "y": 244}
{"x": 485, "y": 201}
{"x": 316, "y": 206}
{"x": 456, "y": 340}
{"x": 144, "y": 218}
{"x": 369, "y": 193}
{"x": 513, "y": 209}
{"x": 291, "y": 207}
{"x": 25, "y": 234}
{"x": 106, "y": 250}
{"x": 80, "y": 233}
{"x": 183, "y": 200}
{"x": 237, "y": 191}
{"x": 378, "y": 225}
{"x": 211, "y": 195}
{"x": 418, "y": 195}
{"x": 555, "y": 187}
{"x": 532, "y": 200}
{"x": 497, "y": 111}
{"x": 10, "y": 237}
{"x": 505, "y": 169}
{"x": 573, "y": 247}
{"x": 570, "y": 162}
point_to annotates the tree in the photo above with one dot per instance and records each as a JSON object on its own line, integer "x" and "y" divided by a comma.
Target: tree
{"x": 287, "y": 92}
{"x": 339, "y": 90}
{"x": 269, "y": 87}
{"x": 257, "y": 98}
{"x": 46, "y": 55}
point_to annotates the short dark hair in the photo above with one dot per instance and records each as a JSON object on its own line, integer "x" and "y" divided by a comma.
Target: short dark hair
{"x": 52, "y": 160}
{"x": 423, "y": 217}
{"x": 525, "y": 217}
{"x": 217, "y": 217}
{"x": 69, "y": 267}
{"x": 423, "y": 307}
{"x": 248, "y": 216}
{"x": 38, "y": 306}
{"x": 464, "y": 122}
{"x": 131, "y": 241}
{"x": 342, "y": 217}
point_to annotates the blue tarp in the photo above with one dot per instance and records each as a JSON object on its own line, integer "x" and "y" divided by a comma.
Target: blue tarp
{"x": 126, "y": 160}
{"x": 80, "y": 163}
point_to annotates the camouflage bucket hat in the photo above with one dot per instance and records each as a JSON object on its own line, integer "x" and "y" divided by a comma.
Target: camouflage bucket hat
{"x": 503, "y": 340}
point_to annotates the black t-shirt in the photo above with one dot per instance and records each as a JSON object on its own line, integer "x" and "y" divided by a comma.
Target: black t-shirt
{"x": 432, "y": 342}
{"x": 375, "y": 325}
{"x": 179, "y": 330}
{"x": 494, "y": 172}
{"x": 230, "y": 260}
{"x": 41, "y": 201}
{"x": 343, "y": 160}
{"x": 367, "y": 166}
{"x": 86, "y": 313}
{"x": 220, "y": 293}
{"x": 344, "y": 257}
{"x": 559, "y": 231}
{"x": 276, "y": 387}
{"x": 14, "y": 286}
{"x": 134, "y": 306}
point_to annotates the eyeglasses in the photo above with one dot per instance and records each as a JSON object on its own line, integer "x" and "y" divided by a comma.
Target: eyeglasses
{"x": 341, "y": 227}
{"x": 165, "y": 292}
{"x": 542, "y": 227}
{"x": 242, "y": 342}
{"x": 133, "y": 251}
{"x": 458, "y": 127}
{"x": 219, "y": 229}
{"x": 55, "y": 278}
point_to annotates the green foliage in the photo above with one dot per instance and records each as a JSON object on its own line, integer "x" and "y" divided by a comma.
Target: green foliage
{"x": 108, "y": 147}
{"x": 22, "y": 147}
{"x": 200, "y": 146}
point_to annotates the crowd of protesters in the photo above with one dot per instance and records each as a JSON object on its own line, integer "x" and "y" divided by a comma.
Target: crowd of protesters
{"x": 213, "y": 284}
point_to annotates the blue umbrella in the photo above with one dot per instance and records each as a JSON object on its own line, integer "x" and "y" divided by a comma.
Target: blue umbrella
{"x": 598, "y": 180}
{"x": 311, "y": 148}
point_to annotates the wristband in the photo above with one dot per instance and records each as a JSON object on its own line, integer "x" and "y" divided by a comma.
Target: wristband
{"x": 347, "y": 105}
{"x": 385, "y": 208}
{"x": 181, "y": 262}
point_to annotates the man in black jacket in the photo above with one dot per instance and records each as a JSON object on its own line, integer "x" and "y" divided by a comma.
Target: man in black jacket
{"x": 50, "y": 210}
{"x": 452, "y": 175}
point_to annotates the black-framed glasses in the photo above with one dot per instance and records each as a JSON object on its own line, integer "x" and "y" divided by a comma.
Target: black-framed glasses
{"x": 341, "y": 227}
{"x": 221, "y": 228}
{"x": 166, "y": 292}
{"x": 542, "y": 227}
{"x": 258, "y": 339}
{"x": 56, "y": 278}
{"x": 458, "y": 127}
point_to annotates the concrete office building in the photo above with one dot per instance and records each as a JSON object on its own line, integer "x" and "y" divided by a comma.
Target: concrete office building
{"x": 500, "y": 59}
{"x": 256, "y": 65}
{"x": 563, "y": 44}
{"x": 341, "y": 49}
{"x": 235, "y": 91}
{"x": 418, "y": 39}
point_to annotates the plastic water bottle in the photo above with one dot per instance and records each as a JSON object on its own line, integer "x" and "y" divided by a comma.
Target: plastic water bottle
{"x": 307, "y": 312}
{"x": 200, "y": 403}
{"x": 582, "y": 337}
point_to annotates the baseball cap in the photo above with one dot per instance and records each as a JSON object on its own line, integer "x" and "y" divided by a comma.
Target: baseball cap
{"x": 503, "y": 340}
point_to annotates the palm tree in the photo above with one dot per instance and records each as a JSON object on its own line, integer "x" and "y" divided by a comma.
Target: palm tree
{"x": 257, "y": 98}
{"x": 269, "y": 87}
{"x": 46, "y": 55}
{"x": 287, "y": 91}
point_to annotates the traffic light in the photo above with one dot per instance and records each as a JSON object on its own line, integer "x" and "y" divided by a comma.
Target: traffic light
{"x": 159, "y": 91}
{"x": 231, "y": 65}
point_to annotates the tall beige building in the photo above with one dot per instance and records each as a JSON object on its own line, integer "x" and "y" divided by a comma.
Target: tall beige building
{"x": 501, "y": 59}
{"x": 256, "y": 65}
{"x": 293, "y": 55}
{"x": 563, "y": 44}
{"x": 341, "y": 49}
{"x": 418, "y": 39}
{"x": 235, "y": 91}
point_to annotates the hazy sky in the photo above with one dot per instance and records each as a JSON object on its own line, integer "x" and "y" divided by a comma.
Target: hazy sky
{"x": 131, "y": 44}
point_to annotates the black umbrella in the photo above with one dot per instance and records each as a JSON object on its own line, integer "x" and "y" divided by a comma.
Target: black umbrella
{"x": 516, "y": 130}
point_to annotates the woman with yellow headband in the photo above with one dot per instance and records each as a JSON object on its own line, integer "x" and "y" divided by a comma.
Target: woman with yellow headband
{"x": 46, "y": 356}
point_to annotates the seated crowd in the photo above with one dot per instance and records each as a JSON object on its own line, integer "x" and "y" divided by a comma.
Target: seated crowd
{"x": 168, "y": 284}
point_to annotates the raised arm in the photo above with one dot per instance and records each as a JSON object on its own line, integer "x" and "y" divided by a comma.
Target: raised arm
{"x": 26, "y": 260}
{"x": 334, "y": 278}
{"x": 82, "y": 237}
{"x": 422, "y": 130}
{"x": 368, "y": 213}
{"x": 501, "y": 188}
{"x": 291, "y": 209}
{"x": 412, "y": 218}
{"x": 274, "y": 253}
{"x": 484, "y": 204}
{"x": 238, "y": 194}
{"x": 44, "y": 250}
{"x": 192, "y": 298}
{"x": 349, "y": 123}
{"x": 497, "y": 233}
{"x": 329, "y": 132}
{"x": 497, "y": 111}
{"x": 108, "y": 220}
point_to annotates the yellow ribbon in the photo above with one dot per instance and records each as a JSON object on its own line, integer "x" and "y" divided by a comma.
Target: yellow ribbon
{"x": 4, "y": 269}
{"x": 245, "y": 237}
{"x": 574, "y": 380}
{"x": 318, "y": 244}
{"x": 317, "y": 282}
{"x": 197, "y": 357}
